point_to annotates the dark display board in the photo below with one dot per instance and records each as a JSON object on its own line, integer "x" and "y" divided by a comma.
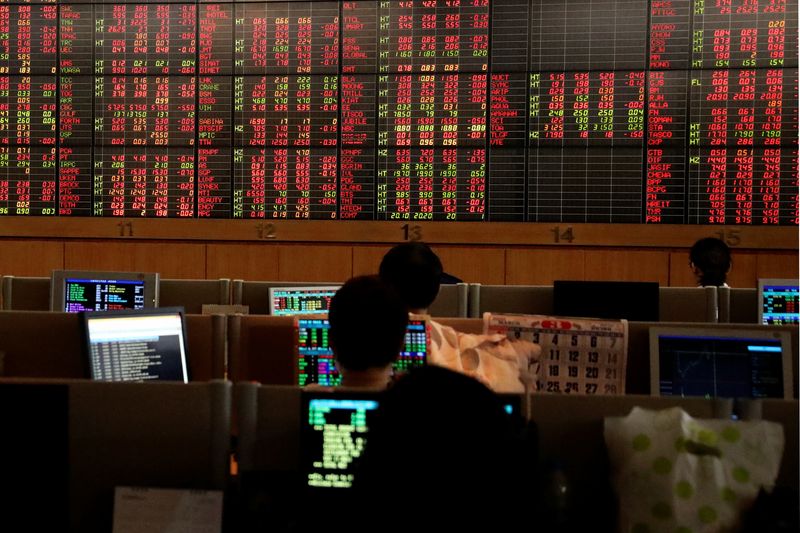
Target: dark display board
{"x": 669, "y": 111}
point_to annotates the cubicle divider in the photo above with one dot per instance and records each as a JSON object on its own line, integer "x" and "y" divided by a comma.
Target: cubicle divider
{"x": 33, "y": 294}
{"x": 71, "y": 443}
{"x": 40, "y": 344}
{"x": 451, "y": 301}
{"x": 738, "y": 306}
{"x": 676, "y": 304}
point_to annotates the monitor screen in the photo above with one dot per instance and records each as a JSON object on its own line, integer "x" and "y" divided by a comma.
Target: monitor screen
{"x": 290, "y": 301}
{"x": 333, "y": 434}
{"x": 136, "y": 345}
{"x": 315, "y": 361}
{"x": 76, "y": 291}
{"x": 631, "y": 300}
{"x": 778, "y": 301}
{"x": 720, "y": 362}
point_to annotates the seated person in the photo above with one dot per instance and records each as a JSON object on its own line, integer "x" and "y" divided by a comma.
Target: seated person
{"x": 710, "y": 261}
{"x": 444, "y": 455}
{"x": 368, "y": 321}
{"x": 415, "y": 271}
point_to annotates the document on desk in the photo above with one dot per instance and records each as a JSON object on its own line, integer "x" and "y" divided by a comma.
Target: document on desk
{"x": 579, "y": 355}
{"x": 152, "y": 510}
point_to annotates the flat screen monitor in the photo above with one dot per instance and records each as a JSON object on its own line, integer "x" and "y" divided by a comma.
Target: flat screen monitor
{"x": 76, "y": 291}
{"x": 778, "y": 301}
{"x": 143, "y": 345}
{"x": 631, "y": 300}
{"x": 291, "y": 301}
{"x": 315, "y": 361}
{"x": 720, "y": 362}
{"x": 333, "y": 433}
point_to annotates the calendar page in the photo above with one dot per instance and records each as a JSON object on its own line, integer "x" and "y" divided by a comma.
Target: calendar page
{"x": 579, "y": 356}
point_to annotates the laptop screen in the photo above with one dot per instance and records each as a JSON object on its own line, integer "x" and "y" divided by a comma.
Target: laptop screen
{"x": 725, "y": 363}
{"x": 76, "y": 291}
{"x": 607, "y": 299}
{"x": 316, "y": 363}
{"x": 333, "y": 434}
{"x": 136, "y": 345}
{"x": 290, "y": 301}
{"x": 778, "y": 301}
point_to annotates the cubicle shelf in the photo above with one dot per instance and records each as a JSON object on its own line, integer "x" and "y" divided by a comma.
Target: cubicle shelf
{"x": 365, "y": 232}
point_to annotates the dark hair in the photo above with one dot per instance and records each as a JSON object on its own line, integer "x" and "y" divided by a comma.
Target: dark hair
{"x": 712, "y": 257}
{"x": 414, "y": 271}
{"x": 439, "y": 441}
{"x": 368, "y": 323}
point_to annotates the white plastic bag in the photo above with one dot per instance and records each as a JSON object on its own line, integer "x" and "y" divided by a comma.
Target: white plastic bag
{"x": 676, "y": 474}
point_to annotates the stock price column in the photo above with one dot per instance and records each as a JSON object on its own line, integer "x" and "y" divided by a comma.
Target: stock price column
{"x": 667, "y": 106}
{"x": 358, "y": 101}
{"x": 433, "y": 85}
{"x": 28, "y": 44}
{"x": 76, "y": 91}
{"x": 508, "y": 110}
{"x": 586, "y": 111}
{"x": 286, "y": 107}
{"x": 144, "y": 110}
{"x": 743, "y": 118}
{"x": 215, "y": 101}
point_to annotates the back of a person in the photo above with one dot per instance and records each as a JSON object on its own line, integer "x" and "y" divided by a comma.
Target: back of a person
{"x": 441, "y": 453}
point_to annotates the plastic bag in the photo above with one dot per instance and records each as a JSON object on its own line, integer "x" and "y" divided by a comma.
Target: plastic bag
{"x": 677, "y": 474}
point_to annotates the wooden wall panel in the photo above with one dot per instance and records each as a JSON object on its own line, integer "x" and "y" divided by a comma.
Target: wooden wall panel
{"x": 170, "y": 260}
{"x": 680, "y": 275}
{"x": 251, "y": 262}
{"x": 743, "y": 269}
{"x": 315, "y": 263}
{"x": 367, "y": 259}
{"x": 474, "y": 265}
{"x": 777, "y": 265}
{"x": 627, "y": 265}
{"x": 30, "y": 258}
{"x": 542, "y": 266}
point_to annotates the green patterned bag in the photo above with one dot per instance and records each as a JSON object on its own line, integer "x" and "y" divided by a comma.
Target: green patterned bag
{"x": 676, "y": 474}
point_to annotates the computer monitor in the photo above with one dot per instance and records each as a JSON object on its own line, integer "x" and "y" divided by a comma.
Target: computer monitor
{"x": 333, "y": 433}
{"x": 720, "y": 362}
{"x": 290, "y": 301}
{"x": 140, "y": 345}
{"x": 778, "y": 301}
{"x": 315, "y": 361}
{"x": 74, "y": 291}
{"x": 631, "y": 300}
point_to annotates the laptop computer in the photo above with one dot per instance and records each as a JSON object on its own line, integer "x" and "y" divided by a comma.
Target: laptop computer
{"x": 720, "y": 362}
{"x": 136, "y": 345}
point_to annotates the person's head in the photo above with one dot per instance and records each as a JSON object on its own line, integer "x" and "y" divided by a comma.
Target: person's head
{"x": 415, "y": 272}
{"x": 710, "y": 260}
{"x": 445, "y": 440}
{"x": 368, "y": 321}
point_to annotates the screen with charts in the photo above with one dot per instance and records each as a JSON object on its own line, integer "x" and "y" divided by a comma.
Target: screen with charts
{"x": 136, "y": 345}
{"x": 779, "y": 301}
{"x": 289, "y": 301}
{"x": 333, "y": 434}
{"x": 724, "y": 364}
{"x": 622, "y": 111}
{"x": 316, "y": 363}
